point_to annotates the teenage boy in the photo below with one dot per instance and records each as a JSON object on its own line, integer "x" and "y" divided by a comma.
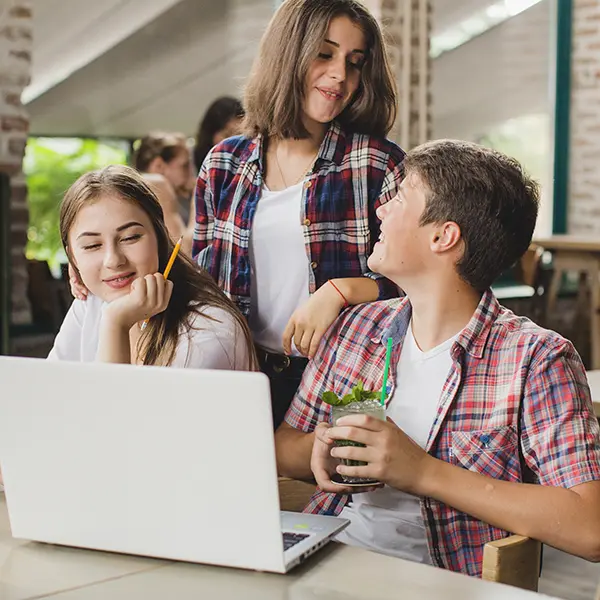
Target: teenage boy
{"x": 490, "y": 424}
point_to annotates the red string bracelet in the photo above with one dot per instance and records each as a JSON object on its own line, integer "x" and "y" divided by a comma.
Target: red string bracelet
{"x": 337, "y": 289}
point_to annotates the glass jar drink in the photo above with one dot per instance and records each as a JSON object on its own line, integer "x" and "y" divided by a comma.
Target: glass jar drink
{"x": 374, "y": 409}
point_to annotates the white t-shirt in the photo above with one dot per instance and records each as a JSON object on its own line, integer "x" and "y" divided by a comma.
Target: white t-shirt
{"x": 209, "y": 344}
{"x": 388, "y": 520}
{"x": 280, "y": 268}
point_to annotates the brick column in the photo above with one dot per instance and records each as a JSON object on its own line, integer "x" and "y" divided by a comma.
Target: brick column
{"x": 16, "y": 32}
{"x": 407, "y": 27}
{"x": 584, "y": 148}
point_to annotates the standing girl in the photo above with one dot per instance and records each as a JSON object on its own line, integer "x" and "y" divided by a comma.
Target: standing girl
{"x": 285, "y": 214}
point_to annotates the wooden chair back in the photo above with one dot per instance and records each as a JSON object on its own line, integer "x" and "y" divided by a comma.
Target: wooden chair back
{"x": 531, "y": 271}
{"x": 527, "y": 269}
{"x": 514, "y": 560}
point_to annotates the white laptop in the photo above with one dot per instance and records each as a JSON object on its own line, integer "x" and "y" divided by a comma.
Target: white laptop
{"x": 170, "y": 463}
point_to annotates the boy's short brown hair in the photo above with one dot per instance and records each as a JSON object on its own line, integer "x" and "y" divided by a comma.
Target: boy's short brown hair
{"x": 487, "y": 194}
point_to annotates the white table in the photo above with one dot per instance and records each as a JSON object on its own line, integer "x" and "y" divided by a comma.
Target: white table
{"x": 31, "y": 570}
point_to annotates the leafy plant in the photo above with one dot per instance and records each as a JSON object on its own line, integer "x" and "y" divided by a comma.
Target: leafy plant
{"x": 51, "y": 165}
{"x": 356, "y": 394}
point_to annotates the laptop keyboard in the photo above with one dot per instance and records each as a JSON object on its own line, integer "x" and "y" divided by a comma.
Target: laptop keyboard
{"x": 291, "y": 539}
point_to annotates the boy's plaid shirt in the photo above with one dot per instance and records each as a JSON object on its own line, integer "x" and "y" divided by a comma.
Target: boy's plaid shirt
{"x": 516, "y": 406}
{"x": 353, "y": 175}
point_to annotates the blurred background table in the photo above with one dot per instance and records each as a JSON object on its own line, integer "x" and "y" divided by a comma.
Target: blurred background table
{"x": 582, "y": 255}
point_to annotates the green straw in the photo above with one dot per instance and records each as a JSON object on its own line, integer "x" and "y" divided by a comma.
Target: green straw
{"x": 388, "y": 356}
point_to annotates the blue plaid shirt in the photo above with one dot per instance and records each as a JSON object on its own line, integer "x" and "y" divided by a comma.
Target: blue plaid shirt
{"x": 352, "y": 176}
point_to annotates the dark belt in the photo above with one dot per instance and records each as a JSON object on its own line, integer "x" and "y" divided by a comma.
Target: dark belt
{"x": 278, "y": 363}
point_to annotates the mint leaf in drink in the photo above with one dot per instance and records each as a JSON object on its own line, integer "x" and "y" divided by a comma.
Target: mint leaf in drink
{"x": 348, "y": 399}
{"x": 331, "y": 398}
{"x": 356, "y": 394}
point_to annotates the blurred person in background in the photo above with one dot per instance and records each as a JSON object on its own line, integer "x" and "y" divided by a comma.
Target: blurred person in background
{"x": 222, "y": 119}
{"x": 286, "y": 213}
{"x": 166, "y": 162}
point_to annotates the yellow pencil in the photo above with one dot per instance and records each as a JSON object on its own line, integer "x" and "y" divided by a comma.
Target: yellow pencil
{"x": 167, "y": 270}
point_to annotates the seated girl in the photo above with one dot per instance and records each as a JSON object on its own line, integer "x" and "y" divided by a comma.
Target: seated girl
{"x": 113, "y": 231}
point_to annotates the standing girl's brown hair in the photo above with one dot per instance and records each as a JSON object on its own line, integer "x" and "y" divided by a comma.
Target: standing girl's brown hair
{"x": 275, "y": 91}
{"x": 194, "y": 289}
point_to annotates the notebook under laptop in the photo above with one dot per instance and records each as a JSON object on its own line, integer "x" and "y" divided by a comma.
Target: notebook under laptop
{"x": 170, "y": 463}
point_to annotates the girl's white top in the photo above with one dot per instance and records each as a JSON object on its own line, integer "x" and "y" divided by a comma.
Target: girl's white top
{"x": 280, "y": 266}
{"x": 209, "y": 344}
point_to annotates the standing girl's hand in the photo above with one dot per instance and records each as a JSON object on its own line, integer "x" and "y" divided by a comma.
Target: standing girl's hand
{"x": 78, "y": 289}
{"x": 309, "y": 323}
{"x": 148, "y": 296}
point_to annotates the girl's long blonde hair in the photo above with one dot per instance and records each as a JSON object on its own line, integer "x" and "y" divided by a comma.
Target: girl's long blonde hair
{"x": 194, "y": 289}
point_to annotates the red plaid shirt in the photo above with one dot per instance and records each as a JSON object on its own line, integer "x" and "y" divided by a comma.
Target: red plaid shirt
{"x": 353, "y": 175}
{"x": 515, "y": 406}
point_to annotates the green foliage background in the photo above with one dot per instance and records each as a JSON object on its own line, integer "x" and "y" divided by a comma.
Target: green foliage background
{"x": 51, "y": 165}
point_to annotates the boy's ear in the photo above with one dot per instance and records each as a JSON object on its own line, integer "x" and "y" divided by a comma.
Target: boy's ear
{"x": 447, "y": 236}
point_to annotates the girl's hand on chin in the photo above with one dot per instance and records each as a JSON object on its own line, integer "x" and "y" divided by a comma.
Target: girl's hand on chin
{"x": 147, "y": 297}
